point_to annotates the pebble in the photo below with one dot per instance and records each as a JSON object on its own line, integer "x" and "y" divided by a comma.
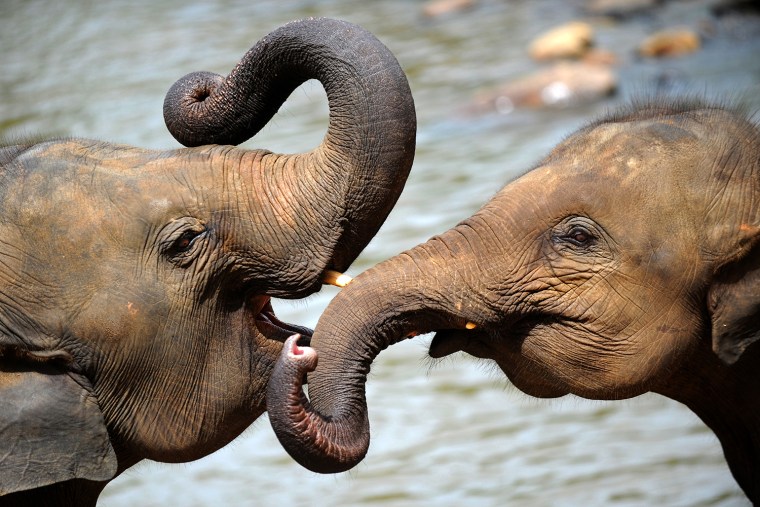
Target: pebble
{"x": 436, "y": 8}
{"x": 670, "y": 43}
{"x": 571, "y": 40}
{"x": 562, "y": 84}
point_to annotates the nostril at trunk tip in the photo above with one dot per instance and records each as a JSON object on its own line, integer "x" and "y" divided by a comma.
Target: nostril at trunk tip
{"x": 305, "y": 357}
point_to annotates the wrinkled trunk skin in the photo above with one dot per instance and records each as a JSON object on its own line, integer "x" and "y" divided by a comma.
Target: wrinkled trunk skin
{"x": 363, "y": 162}
{"x": 330, "y": 433}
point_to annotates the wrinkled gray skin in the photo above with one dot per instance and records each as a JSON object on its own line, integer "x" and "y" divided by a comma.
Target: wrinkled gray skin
{"x": 627, "y": 261}
{"x": 135, "y": 285}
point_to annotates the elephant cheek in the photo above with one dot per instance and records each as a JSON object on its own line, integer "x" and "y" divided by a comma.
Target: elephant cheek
{"x": 594, "y": 366}
{"x": 264, "y": 354}
{"x": 550, "y": 361}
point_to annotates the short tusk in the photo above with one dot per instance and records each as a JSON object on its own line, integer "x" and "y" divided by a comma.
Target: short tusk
{"x": 336, "y": 278}
{"x": 470, "y": 325}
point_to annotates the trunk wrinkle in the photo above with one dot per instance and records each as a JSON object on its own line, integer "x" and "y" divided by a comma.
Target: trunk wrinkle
{"x": 297, "y": 425}
{"x": 355, "y": 176}
{"x": 359, "y": 323}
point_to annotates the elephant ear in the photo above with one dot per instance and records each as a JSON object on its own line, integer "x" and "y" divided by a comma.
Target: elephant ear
{"x": 51, "y": 428}
{"x": 734, "y": 305}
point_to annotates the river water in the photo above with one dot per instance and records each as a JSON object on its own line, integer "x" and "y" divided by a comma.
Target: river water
{"x": 453, "y": 433}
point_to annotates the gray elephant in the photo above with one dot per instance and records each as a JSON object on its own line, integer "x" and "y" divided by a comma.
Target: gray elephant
{"x": 135, "y": 285}
{"x": 626, "y": 261}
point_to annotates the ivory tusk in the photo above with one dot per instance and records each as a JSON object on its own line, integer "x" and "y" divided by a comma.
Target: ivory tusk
{"x": 470, "y": 325}
{"x": 336, "y": 278}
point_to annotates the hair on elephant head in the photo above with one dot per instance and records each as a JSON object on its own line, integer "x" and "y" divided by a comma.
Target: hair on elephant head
{"x": 626, "y": 261}
{"x": 135, "y": 285}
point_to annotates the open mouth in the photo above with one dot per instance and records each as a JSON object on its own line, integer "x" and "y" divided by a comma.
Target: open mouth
{"x": 478, "y": 342}
{"x": 272, "y": 328}
{"x": 448, "y": 341}
{"x": 453, "y": 333}
{"x": 267, "y": 323}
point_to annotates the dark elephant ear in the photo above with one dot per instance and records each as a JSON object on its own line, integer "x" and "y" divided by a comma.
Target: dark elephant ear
{"x": 51, "y": 430}
{"x": 734, "y": 304}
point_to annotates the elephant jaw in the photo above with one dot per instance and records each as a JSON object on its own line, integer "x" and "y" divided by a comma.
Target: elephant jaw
{"x": 505, "y": 350}
{"x": 272, "y": 328}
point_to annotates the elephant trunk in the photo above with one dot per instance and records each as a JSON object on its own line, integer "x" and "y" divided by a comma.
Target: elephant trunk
{"x": 353, "y": 179}
{"x": 331, "y": 432}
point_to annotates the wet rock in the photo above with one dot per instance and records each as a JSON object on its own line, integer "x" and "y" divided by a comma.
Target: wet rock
{"x": 600, "y": 57}
{"x": 571, "y": 40}
{"x": 565, "y": 83}
{"x": 619, "y": 9}
{"x": 436, "y": 8}
{"x": 670, "y": 43}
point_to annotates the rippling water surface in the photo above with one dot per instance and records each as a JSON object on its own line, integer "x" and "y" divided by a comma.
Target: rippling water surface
{"x": 452, "y": 433}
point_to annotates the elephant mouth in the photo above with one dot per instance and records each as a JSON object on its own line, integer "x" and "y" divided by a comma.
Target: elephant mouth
{"x": 506, "y": 351}
{"x": 271, "y": 327}
{"x": 449, "y": 341}
{"x": 481, "y": 343}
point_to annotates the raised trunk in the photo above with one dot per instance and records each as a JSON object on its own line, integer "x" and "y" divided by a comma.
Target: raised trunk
{"x": 355, "y": 176}
{"x": 331, "y": 433}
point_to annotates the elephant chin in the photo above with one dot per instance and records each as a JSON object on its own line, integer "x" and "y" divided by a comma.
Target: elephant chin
{"x": 530, "y": 379}
{"x": 533, "y": 383}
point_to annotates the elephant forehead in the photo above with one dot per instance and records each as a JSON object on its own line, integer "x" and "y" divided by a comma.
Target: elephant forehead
{"x": 661, "y": 132}
{"x": 642, "y": 151}
{"x": 631, "y": 181}
{"x": 646, "y": 161}
{"x": 109, "y": 178}
{"x": 63, "y": 197}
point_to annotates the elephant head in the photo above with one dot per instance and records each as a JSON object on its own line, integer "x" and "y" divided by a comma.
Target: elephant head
{"x": 626, "y": 261}
{"x": 135, "y": 285}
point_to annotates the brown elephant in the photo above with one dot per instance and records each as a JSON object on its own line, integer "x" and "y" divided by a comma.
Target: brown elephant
{"x": 626, "y": 261}
{"x": 135, "y": 285}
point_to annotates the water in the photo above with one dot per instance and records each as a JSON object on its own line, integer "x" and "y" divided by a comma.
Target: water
{"x": 453, "y": 433}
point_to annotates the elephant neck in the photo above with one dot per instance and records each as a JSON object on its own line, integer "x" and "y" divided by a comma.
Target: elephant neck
{"x": 727, "y": 399}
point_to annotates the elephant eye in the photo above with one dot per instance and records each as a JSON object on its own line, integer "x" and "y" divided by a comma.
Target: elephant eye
{"x": 180, "y": 237}
{"x": 185, "y": 241}
{"x": 579, "y": 236}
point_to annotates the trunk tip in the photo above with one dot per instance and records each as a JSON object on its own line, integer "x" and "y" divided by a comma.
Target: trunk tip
{"x": 321, "y": 443}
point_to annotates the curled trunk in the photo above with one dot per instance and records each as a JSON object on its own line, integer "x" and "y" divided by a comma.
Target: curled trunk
{"x": 330, "y": 433}
{"x": 353, "y": 179}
